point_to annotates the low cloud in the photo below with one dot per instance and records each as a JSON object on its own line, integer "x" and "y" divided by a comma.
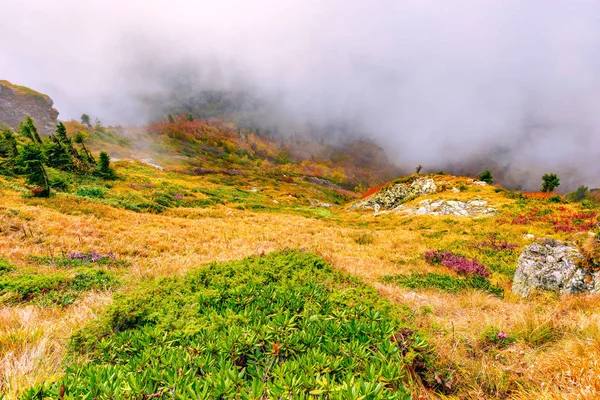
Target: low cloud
{"x": 462, "y": 85}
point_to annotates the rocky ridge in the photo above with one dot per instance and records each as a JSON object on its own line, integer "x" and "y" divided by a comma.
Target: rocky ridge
{"x": 391, "y": 198}
{"x": 17, "y": 102}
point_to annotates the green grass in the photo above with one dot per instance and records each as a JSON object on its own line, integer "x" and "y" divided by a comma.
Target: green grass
{"x": 285, "y": 325}
{"x": 65, "y": 262}
{"x": 444, "y": 283}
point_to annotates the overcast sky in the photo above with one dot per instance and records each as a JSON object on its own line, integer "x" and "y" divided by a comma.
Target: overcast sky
{"x": 516, "y": 81}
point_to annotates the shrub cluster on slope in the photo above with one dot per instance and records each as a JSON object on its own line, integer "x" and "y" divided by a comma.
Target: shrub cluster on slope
{"x": 283, "y": 325}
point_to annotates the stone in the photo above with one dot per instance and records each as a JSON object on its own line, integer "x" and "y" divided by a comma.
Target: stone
{"x": 323, "y": 182}
{"x": 394, "y": 195}
{"x": 555, "y": 267}
{"x": 450, "y": 207}
{"x": 17, "y": 102}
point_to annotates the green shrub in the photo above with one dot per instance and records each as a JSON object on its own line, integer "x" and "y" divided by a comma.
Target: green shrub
{"x": 58, "y": 180}
{"x": 579, "y": 195}
{"x": 53, "y": 289}
{"x": 104, "y": 170}
{"x": 6, "y": 267}
{"x": 23, "y": 287}
{"x": 486, "y": 176}
{"x": 283, "y": 325}
{"x": 91, "y": 192}
{"x": 444, "y": 283}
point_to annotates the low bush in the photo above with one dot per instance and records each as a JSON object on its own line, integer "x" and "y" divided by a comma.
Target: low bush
{"x": 52, "y": 289}
{"x": 91, "y": 192}
{"x": 283, "y": 325}
{"x": 5, "y": 266}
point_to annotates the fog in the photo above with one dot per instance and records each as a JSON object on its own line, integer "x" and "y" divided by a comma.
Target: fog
{"x": 461, "y": 85}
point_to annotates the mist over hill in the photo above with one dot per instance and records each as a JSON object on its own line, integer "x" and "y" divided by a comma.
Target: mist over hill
{"x": 460, "y": 87}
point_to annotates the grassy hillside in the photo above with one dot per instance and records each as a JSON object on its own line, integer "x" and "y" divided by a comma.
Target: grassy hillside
{"x": 103, "y": 267}
{"x": 211, "y": 144}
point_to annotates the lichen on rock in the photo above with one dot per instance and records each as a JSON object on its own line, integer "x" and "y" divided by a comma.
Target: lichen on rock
{"x": 395, "y": 194}
{"x": 451, "y": 207}
{"x": 556, "y": 267}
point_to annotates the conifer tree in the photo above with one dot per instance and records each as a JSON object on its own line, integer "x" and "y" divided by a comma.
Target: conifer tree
{"x": 85, "y": 119}
{"x": 31, "y": 161}
{"x": 8, "y": 145}
{"x": 61, "y": 135}
{"x": 486, "y": 176}
{"x": 104, "y": 170}
{"x": 57, "y": 155}
{"x": 29, "y": 130}
{"x": 80, "y": 138}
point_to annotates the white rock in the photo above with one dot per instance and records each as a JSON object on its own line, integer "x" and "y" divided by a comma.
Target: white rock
{"x": 552, "y": 266}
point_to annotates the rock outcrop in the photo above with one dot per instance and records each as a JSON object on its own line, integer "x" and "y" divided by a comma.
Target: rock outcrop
{"x": 556, "y": 267}
{"x": 473, "y": 208}
{"x": 17, "y": 102}
{"x": 392, "y": 196}
{"x": 323, "y": 182}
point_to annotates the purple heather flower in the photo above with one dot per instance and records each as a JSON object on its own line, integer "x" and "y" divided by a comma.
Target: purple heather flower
{"x": 502, "y": 335}
{"x": 458, "y": 263}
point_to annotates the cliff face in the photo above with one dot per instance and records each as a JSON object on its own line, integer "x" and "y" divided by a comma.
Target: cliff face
{"x": 16, "y": 102}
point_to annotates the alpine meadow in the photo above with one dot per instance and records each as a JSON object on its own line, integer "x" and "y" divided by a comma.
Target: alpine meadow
{"x": 299, "y": 200}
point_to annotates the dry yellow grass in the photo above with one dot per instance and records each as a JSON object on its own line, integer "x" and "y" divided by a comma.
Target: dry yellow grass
{"x": 557, "y": 358}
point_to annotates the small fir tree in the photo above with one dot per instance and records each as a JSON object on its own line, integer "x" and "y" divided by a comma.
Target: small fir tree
{"x": 57, "y": 155}
{"x": 29, "y": 130}
{"x": 80, "y": 138}
{"x": 61, "y": 135}
{"x": 486, "y": 176}
{"x": 104, "y": 170}
{"x": 31, "y": 160}
{"x": 8, "y": 145}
